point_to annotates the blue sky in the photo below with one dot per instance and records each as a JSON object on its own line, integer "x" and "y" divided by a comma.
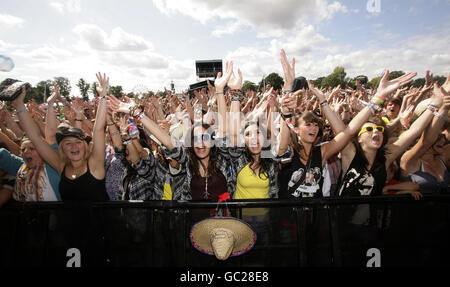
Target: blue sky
{"x": 150, "y": 43}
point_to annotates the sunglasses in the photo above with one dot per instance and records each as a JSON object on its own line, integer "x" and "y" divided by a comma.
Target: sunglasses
{"x": 202, "y": 138}
{"x": 370, "y": 129}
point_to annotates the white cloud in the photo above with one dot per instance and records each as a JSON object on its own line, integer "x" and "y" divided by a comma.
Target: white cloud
{"x": 44, "y": 53}
{"x": 10, "y": 21}
{"x": 266, "y": 17}
{"x": 67, "y": 6}
{"x": 119, "y": 40}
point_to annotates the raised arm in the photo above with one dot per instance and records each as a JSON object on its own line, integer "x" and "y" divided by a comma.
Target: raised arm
{"x": 148, "y": 123}
{"x": 51, "y": 122}
{"x": 48, "y": 154}
{"x": 385, "y": 88}
{"x": 220, "y": 83}
{"x": 97, "y": 157}
{"x": 410, "y": 160}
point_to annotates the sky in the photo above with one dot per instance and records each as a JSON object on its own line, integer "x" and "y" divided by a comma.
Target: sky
{"x": 144, "y": 45}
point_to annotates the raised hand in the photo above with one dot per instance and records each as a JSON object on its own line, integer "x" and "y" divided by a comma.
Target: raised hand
{"x": 288, "y": 69}
{"x": 386, "y": 87}
{"x": 316, "y": 92}
{"x": 55, "y": 96}
{"x": 102, "y": 89}
{"x": 235, "y": 83}
{"x": 117, "y": 106}
{"x": 222, "y": 80}
{"x": 428, "y": 79}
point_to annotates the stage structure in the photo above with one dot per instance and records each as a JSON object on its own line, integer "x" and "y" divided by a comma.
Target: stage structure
{"x": 207, "y": 70}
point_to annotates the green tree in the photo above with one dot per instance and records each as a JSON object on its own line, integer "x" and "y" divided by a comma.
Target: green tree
{"x": 318, "y": 82}
{"x": 84, "y": 89}
{"x": 64, "y": 86}
{"x": 93, "y": 89}
{"x": 336, "y": 78}
{"x": 419, "y": 82}
{"x": 116, "y": 91}
{"x": 395, "y": 74}
{"x": 248, "y": 85}
{"x": 40, "y": 92}
{"x": 373, "y": 84}
{"x": 275, "y": 80}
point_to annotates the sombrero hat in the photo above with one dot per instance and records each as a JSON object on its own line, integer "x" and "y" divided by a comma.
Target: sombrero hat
{"x": 222, "y": 237}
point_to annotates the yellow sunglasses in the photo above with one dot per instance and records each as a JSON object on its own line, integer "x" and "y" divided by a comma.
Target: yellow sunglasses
{"x": 370, "y": 129}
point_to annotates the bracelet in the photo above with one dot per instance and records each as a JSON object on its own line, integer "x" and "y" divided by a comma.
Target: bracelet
{"x": 288, "y": 116}
{"x": 78, "y": 120}
{"x": 439, "y": 116}
{"x": 324, "y": 103}
{"x": 286, "y": 92}
{"x": 432, "y": 108}
{"x": 111, "y": 124}
{"x": 115, "y": 133}
{"x": 374, "y": 107}
{"x": 127, "y": 142}
{"x": 236, "y": 95}
{"x": 21, "y": 111}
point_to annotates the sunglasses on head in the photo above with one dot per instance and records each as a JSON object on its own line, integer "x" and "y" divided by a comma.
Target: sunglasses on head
{"x": 202, "y": 138}
{"x": 370, "y": 129}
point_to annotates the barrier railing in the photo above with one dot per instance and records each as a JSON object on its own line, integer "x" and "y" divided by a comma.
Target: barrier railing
{"x": 363, "y": 231}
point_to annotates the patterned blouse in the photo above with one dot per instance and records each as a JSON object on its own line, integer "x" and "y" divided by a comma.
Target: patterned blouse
{"x": 231, "y": 160}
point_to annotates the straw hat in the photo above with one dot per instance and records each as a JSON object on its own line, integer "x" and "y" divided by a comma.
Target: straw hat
{"x": 222, "y": 237}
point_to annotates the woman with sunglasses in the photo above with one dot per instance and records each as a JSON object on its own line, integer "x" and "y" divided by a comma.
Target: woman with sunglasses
{"x": 203, "y": 172}
{"x": 424, "y": 163}
{"x": 366, "y": 159}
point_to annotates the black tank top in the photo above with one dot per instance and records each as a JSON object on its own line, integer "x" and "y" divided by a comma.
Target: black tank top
{"x": 296, "y": 174}
{"x": 359, "y": 181}
{"x": 84, "y": 188}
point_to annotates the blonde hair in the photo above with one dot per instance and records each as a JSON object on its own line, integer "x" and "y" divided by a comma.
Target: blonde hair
{"x": 66, "y": 160}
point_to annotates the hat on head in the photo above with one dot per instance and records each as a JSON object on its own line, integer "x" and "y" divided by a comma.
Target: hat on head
{"x": 64, "y": 132}
{"x": 222, "y": 237}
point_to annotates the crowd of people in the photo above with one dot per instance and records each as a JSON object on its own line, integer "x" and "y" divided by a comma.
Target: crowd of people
{"x": 228, "y": 144}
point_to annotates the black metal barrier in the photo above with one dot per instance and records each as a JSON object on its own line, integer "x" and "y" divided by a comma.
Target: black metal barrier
{"x": 366, "y": 231}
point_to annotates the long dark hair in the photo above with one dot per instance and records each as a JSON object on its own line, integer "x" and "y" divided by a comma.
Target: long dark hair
{"x": 306, "y": 116}
{"x": 263, "y": 162}
{"x": 194, "y": 162}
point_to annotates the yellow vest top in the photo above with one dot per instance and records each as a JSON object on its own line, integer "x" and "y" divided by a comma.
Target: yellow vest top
{"x": 250, "y": 185}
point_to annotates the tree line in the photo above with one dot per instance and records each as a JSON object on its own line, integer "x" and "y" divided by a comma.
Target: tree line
{"x": 43, "y": 89}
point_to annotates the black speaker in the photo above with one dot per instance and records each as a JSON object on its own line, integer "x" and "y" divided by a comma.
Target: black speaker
{"x": 208, "y": 68}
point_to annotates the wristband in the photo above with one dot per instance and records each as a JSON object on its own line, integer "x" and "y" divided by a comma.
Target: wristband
{"x": 115, "y": 133}
{"x": 236, "y": 95}
{"x": 324, "y": 103}
{"x": 111, "y": 124}
{"x": 374, "y": 107}
{"x": 78, "y": 120}
{"x": 286, "y": 92}
{"x": 432, "y": 108}
{"x": 127, "y": 142}
{"x": 439, "y": 116}
{"x": 21, "y": 111}
{"x": 288, "y": 116}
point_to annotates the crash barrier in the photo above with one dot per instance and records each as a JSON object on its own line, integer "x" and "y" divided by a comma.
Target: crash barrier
{"x": 363, "y": 231}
